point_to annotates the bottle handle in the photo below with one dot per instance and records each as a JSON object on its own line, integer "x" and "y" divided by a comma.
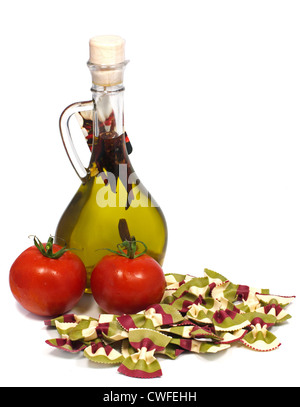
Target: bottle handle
{"x": 64, "y": 127}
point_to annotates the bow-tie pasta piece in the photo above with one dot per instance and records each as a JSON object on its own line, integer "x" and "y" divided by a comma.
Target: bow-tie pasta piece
{"x": 143, "y": 363}
{"x": 227, "y": 320}
{"x": 276, "y": 311}
{"x": 67, "y": 345}
{"x": 260, "y": 339}
{"x": 102, "y": 353}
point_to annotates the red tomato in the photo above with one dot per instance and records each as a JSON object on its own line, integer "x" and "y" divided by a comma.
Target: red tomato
{"x": 47, "y": 286}
{"x": 121, "y": 285}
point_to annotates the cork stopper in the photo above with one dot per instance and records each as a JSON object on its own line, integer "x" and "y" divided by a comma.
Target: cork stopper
{"x": 107, "y": 58}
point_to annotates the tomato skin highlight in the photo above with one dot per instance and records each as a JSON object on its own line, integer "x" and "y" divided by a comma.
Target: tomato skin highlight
{"x": 45, "y": 286}
{"x": 126, "y": 286}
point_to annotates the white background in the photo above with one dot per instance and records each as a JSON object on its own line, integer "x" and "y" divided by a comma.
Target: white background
{"x": 212, "y": 110}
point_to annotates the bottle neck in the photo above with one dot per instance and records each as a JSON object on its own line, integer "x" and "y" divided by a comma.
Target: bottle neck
{"x": 108, "y": 111}
{"x": 109, "y": 146}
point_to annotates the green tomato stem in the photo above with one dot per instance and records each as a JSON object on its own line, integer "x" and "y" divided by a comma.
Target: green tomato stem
{"x": 128, "y": 249}
{"x": 47, "y": 250}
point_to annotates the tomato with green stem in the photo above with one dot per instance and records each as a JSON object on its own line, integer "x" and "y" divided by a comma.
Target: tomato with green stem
{"x": 126, "y": 281}
{"x": 47, "y": 279}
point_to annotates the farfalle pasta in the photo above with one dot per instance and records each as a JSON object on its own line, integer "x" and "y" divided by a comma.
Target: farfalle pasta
{"x": 100, "y": 352}
{"x": 272, "y": 309}
{"x": 260, "y": 339}
{"x": 202, "y": 315}
{"x": 229, "y": 321}
{"x": 143, "y": 363}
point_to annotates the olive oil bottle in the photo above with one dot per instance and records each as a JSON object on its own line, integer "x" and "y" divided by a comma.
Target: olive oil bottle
{"x": 110, "y": 189}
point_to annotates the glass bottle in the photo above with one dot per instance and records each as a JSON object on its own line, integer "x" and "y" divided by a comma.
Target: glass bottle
{"x": 110, "y": 189}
